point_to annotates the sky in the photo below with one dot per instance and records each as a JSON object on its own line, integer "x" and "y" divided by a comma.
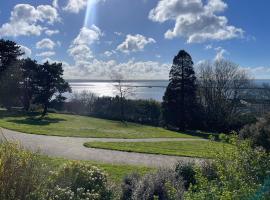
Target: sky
{"x": 96, "y": 39}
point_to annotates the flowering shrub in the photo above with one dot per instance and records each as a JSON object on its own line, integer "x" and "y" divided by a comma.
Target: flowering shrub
{"x": 77, "y": 181}
{"x": 21, "y": 173}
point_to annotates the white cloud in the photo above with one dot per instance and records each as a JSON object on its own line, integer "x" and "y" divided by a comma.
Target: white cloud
{"x": 220, "y": 53}
{"x": 75, "y": 6}
{"x": 80, "y": 53}
{"x": 46, "y": 54}
{"x": 98, "y": 69}
{"x": 118, "y": 33}
{"x": 55, "y": 3}
{"x": 134, "y": 43}
{"x": 80, "y": 47}
{"x": 109, "y": 53}
{"x": 45, "y": 43}
{"x": 27, "y": 52}
{"x": 51, "y": 32}
{"x": 88, "y": 36}
{"x": 195, "y": 20}
{"x": 261, "y": 72}
{"x": 24, "y": 20}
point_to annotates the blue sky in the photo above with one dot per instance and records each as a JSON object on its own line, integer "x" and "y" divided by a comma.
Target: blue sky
{"x": 95, "y": 39}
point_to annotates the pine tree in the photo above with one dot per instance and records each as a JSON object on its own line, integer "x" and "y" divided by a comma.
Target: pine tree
{"x": 179, "y": 102}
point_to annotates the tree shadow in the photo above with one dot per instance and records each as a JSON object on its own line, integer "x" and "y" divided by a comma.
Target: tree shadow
{"x": 13, "y": 113}
{"x": 201, "y": 134}
{"x": 37, "y": 121}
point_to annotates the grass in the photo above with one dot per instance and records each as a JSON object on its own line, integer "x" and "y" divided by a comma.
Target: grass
{"x": 116, "y": 172}
{"x": 81, "y": 126}
{"x": 199, "y": 149}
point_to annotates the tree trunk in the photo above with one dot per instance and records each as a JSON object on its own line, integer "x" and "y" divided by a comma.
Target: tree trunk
{"x": 45, "y": 110}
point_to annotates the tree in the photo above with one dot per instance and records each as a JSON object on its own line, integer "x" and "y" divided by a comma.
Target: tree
{"x": 221, "y": 84}
{"x": 9, "y": 53}
{"x": 179, "y": 101}
{"x": 9, "y": 72}
{"x": 50, "y": 84}
{"x": 29, "y": 73}
{"x": 122, "y": 91}
{"x": 10, "y": 86}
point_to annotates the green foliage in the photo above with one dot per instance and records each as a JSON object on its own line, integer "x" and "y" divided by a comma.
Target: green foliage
{"x": 21, "y": 173}
{"x": 77, "y": 181}
{"x": 238, "y": 174}
{"x": 186, "y": 172}
{"x": 258, "y": 133}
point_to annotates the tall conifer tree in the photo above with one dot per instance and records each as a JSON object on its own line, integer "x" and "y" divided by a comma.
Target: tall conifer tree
{"x": 179, "y": 102}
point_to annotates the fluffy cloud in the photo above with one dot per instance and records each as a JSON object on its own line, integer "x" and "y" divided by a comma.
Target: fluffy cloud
{"x": 75, "y": 6}
{"x": 195, "y": 20}
{"x": 87, "y": 36}
{"x": 80, "y": 47}
{"x": 51, "y": 32}
{"x": 55, "y": 3}
{"x": 261, "y": 72}
{"x": 27, "y": 52}
{"x": 24, "y": 20}
{"x": 45, "y": 43}
{"x": 46, "y": 54}
{"x": 134, "y": 43}
{"x": 130, "y": 69}
{"x": 220, "y": 53}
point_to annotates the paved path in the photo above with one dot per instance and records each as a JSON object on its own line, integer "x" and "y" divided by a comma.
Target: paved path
{"x": 72, "y": 148}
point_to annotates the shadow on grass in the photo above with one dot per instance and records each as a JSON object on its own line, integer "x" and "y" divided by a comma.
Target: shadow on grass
{"x": 37, "y": 121}
{"x": 200, "y": 134}
{"x": 29, "y": 118}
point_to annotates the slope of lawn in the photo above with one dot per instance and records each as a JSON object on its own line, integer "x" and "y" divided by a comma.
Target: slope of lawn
{"x": 199, "y": 149}
{"x": 81, "y": 126}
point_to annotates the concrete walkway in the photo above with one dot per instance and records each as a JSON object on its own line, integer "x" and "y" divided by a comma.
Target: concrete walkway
{"x": 72, "y": 148}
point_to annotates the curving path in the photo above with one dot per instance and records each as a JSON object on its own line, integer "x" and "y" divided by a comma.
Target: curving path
{"x": 72, "y": 148}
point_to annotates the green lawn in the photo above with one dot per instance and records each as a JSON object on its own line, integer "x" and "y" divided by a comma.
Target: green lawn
{"x": 116, "y": 172}
{"x": 200, "y": 149}
{"x": 80, "y": 126}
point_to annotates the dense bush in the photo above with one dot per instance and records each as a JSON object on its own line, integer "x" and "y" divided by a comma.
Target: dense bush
{"x": 77, "y": 181}
{"x": 240, "y": 174}
{"x": 186, "y": 172}
{"x": 128, "y": 186}
{"x": 165, "y": 184}
{"x": 258, "y": 133}
{"x": 140, "y": 111}
{"x": 21, "y": 173}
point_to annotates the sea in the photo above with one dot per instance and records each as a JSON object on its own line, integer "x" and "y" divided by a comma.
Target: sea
{"x": 139, "y": 89}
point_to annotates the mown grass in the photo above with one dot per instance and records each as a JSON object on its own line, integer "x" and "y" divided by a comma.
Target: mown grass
{"x": 116, "y": 172}
{"x": 199, "y": 149}
{"x": 81, "y": 126}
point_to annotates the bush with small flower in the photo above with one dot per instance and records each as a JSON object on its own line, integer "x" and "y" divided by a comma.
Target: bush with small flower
{"x": 78, "y": 181}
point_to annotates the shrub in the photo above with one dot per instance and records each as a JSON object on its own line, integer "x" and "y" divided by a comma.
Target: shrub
{"x": 21, "y": 173}
{"x": 162, "y": 185}
{"x": 239, "y": 174}
{"x": 258, "y": 133}
{"x": 77, "y": 181}
{"x": 128, "y": 186}
{"x": 186, "y": 172}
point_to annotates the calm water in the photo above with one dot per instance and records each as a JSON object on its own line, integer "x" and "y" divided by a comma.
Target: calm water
{"x": 140, "y": 89}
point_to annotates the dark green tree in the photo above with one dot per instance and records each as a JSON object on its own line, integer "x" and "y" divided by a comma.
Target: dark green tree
{"x": 50, "y": 84}
{"x": 179, "y": 102}
{"x": 9, "y": 53}
{"x": 9, "y": 73}
{"x": 29, "y": 75}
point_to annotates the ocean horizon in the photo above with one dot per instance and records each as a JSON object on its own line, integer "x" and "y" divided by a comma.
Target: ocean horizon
{"x": 141, "y": 89}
